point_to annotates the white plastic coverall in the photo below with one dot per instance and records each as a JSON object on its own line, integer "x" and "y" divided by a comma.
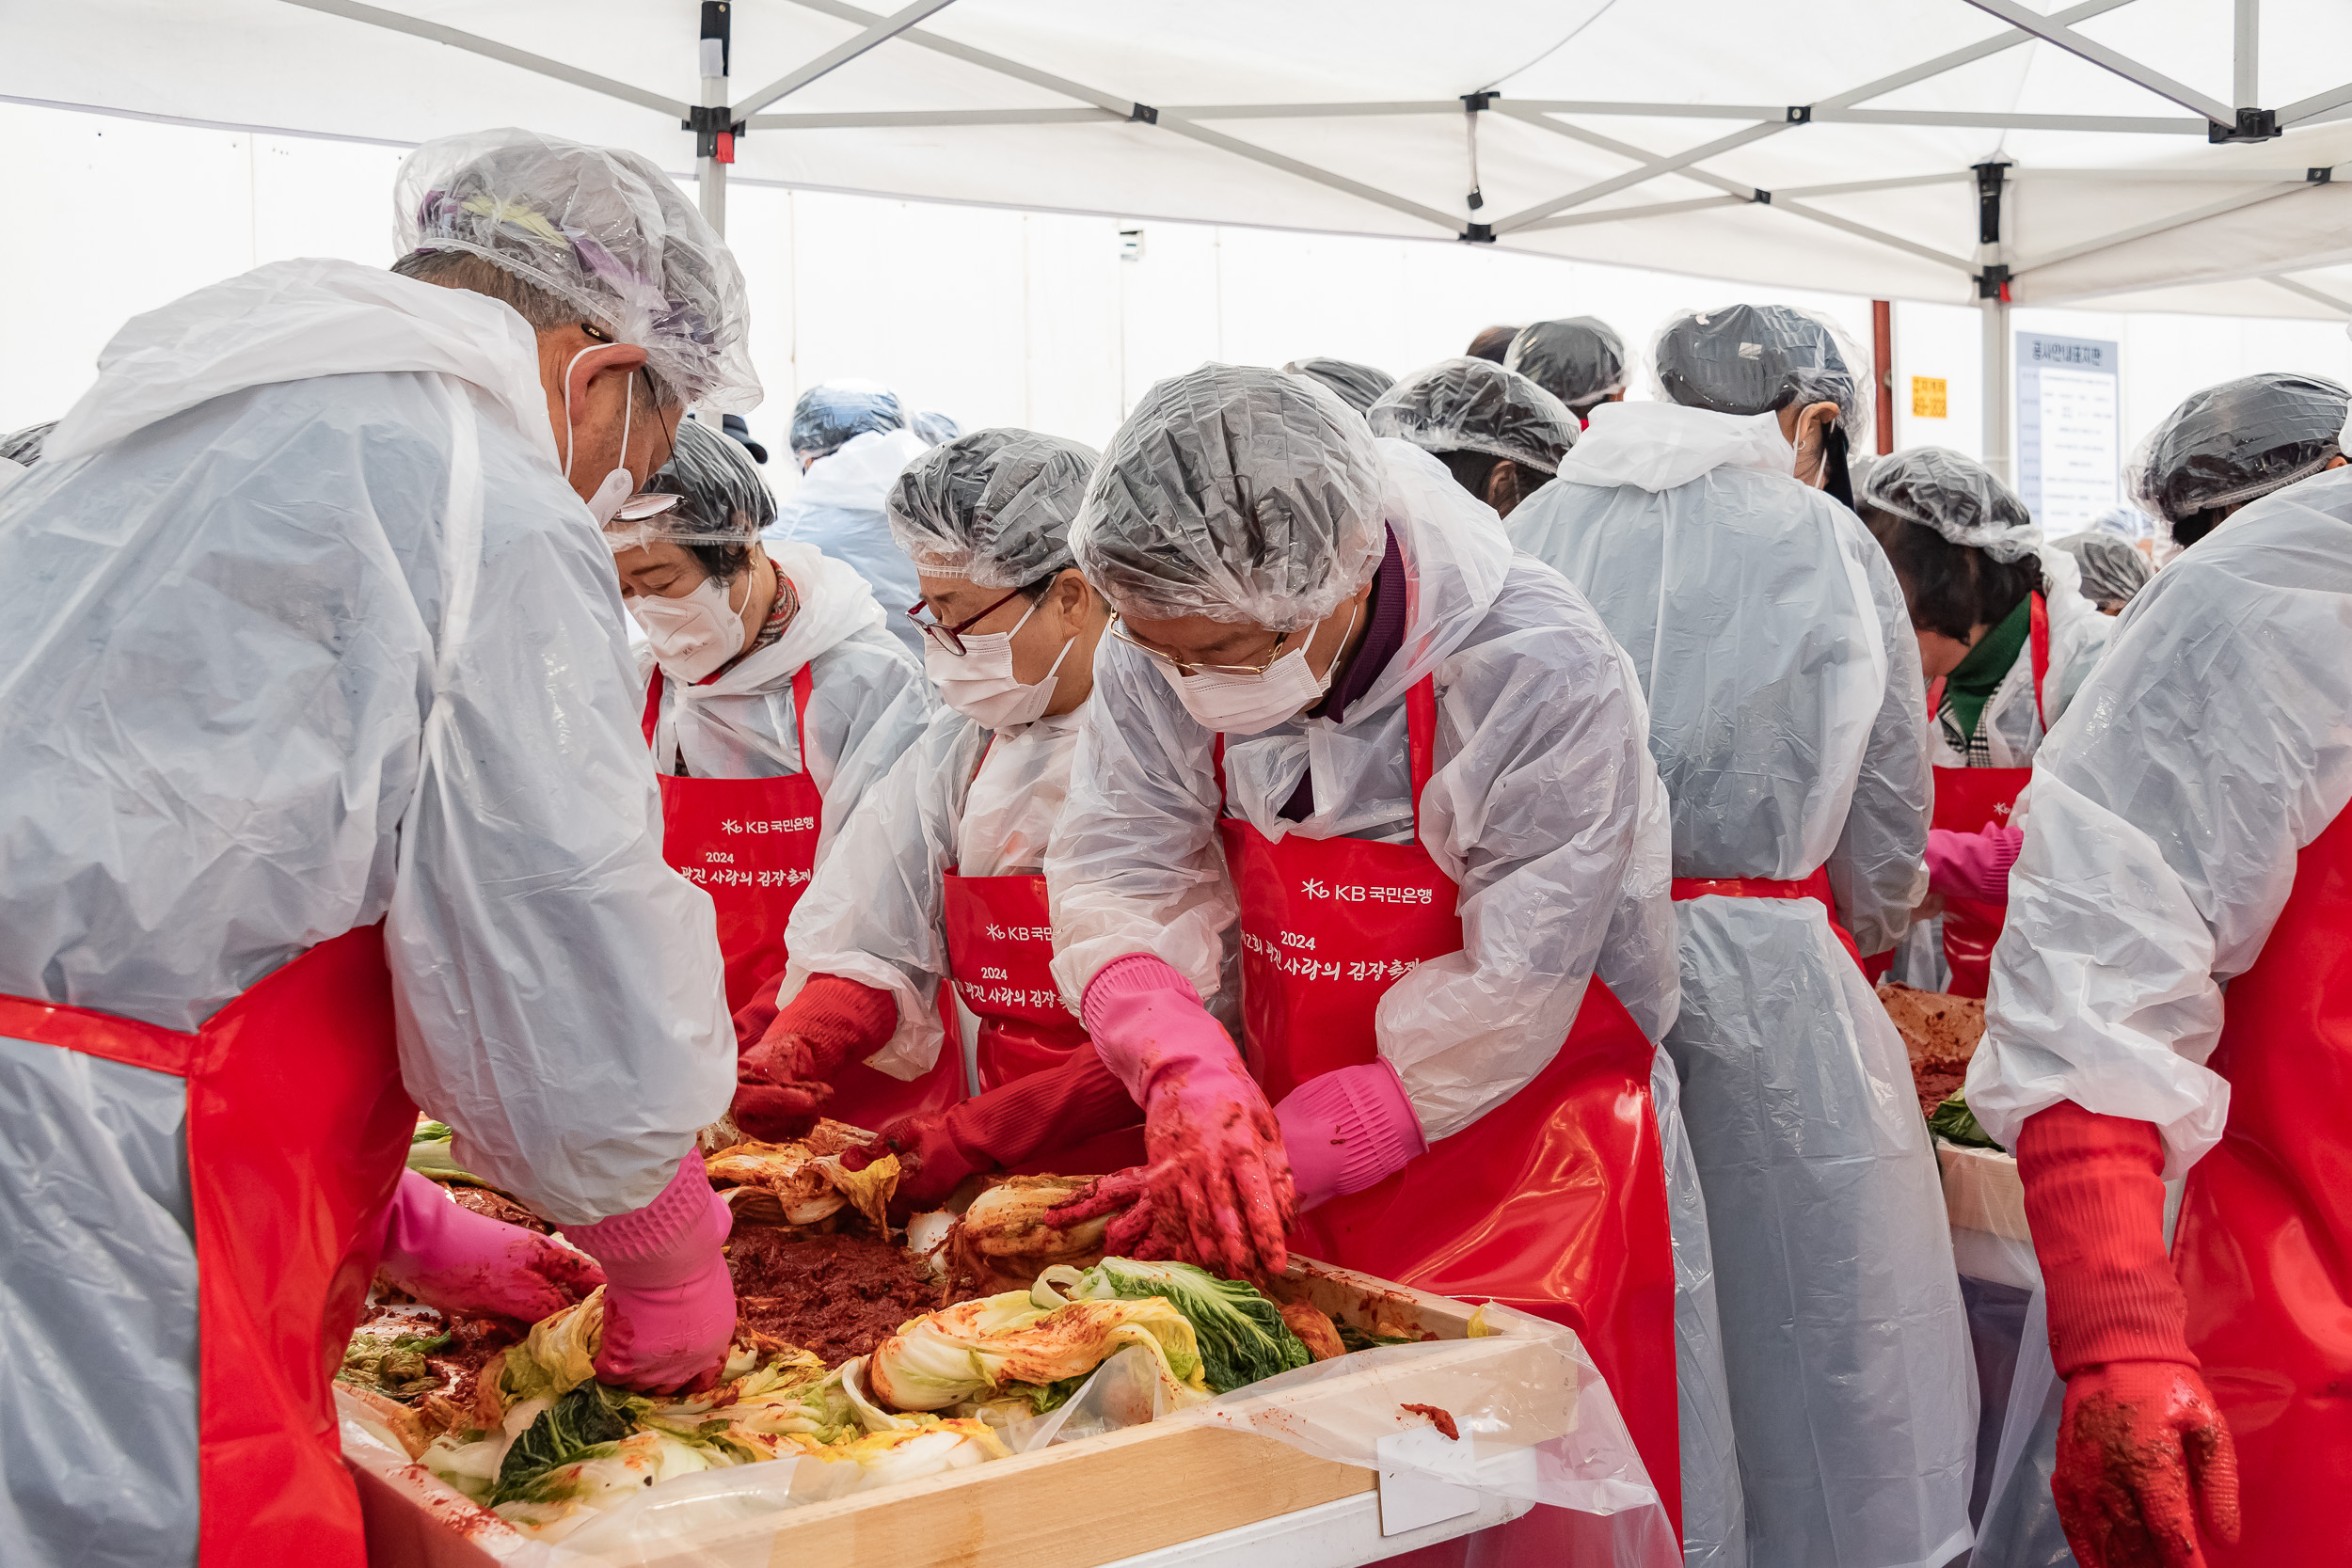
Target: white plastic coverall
{"x": 1786, "y": 716}
{"x": 1531, "y": 693}
{"x": 876, "y": 910}
{"x": 226, "y": 607}
{"x": 837, "y": 507}
{"x": 867, "y": 700}
{"x": 2012, "y": 724}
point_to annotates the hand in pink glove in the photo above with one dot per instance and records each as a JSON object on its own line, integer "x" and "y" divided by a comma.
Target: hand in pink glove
{"x": 1347, "y": 1130}
{"x": 470, "y": 1265}
{"x": 669, "y": 1302}
{"x": 1973, "y": 865}
{"x": 1218, "y": 1184}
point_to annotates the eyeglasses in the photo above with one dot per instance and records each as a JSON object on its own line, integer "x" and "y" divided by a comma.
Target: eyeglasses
{"x": 951, "y": 639}
{"x": 1185, "y": 666}
{"x": 646, "y": 503}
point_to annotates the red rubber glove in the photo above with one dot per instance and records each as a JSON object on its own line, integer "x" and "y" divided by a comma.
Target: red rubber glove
{"x": 1005, "y": 1126}
{"x": 1217, "y": 1191}
{"x": 2143, "y": 1452}
{"x": 669, "y": 1302}
{"x": 784, "y": 1075}
{"x": 470, "y": 1265}
{"x": 1973, "y": 865}
{"x": 1346, "y": 1129}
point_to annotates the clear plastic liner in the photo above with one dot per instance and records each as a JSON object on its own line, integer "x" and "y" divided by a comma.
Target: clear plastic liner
{"x": 1538, "y": 1425}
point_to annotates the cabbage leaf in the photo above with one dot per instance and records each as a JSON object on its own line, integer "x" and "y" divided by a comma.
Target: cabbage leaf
{"x": 1241, "y": 1335}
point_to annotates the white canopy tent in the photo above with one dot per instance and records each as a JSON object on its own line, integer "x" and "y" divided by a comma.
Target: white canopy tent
{"x": 2176, "y": 155}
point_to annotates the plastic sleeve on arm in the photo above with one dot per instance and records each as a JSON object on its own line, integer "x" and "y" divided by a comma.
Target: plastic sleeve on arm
{"x": 2094, "y": 1195}
{"x": 557, "y": 987}
{"x": 1134, "y": 866}
{"x": 1874, "y": 869}
{"x": 1533, "y": 811}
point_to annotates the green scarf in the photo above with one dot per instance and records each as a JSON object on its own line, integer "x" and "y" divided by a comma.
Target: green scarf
{"x": 1974, "y": 680}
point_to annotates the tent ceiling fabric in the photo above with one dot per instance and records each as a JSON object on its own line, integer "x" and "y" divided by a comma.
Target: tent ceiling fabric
{"x": 1644, "y": 132}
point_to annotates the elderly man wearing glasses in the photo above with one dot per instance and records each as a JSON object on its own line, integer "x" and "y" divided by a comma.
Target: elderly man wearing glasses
{"x": 774, "y": 700}
{"x": 934, "y": 878}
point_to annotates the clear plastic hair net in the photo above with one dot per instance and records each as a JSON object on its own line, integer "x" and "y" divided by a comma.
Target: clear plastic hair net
{"x": 1580, "y": 360}
{"x": 1467, "y": 405}
{"x": 1358, "y": 385}
{"x": 1753, "y": 358}
{"x": 2113, "y": 571}
{"x": 994, "y": 506}
{"x": 23, "y": 446}
{"x": 829, "y": 414}
{"x": 1956, "y": 495}
{"x": 723, "y": 501}
{"x": 1238, "y": 493}
{"x": 935, "y": 428}
{"x": 2233, "y": 442}
{"x": 601, "y": 227}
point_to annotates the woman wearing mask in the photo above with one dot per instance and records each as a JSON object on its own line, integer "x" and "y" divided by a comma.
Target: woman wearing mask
{"x": 2006, "y": 639}
{"x": 937, "y": 875}
{"x": 774, "y": 701}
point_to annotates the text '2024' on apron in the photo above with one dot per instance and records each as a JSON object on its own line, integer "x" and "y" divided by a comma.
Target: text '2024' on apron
{"x": 751, "y": 843}
{"x": 297, "y": 1129}
{"x": 1553, "y": 1201}
{"x": 1970, "y": 800}
{"x": 2263, "y": 1246}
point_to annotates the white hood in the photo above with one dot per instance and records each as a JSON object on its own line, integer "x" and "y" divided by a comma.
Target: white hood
{"x": 292, "y": 321}
{"x": 1659, "y": 446}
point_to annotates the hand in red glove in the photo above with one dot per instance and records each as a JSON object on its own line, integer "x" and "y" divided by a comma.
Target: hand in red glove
{"x": 2142, "y": 1457}
{"x": 1347, "y": 1130}
{"x": 1218, "y": 1185}
{"x": 2143, "y": 1453}
{"x": 470, "y": 1265}
{"x": 669, "y": 1302}
{"x": 784, "y": 1074}
{"x": 1005, "y": 1126}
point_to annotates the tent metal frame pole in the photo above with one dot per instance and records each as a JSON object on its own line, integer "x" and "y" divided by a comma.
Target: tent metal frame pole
{"x": 713, "y": 153}
{"x": 839, "y": 55}
{"x": 1998, "y": 454}
{"x": 923, "y": 119}
{"x": 2106, "y": 124}
{"x": 2342, "y": 307}
{"x": 2246, "y": 54}
{"x": 2316, "y": 104}
{"x": 1626, "y": 215}
{"x": 2050, "y": 30}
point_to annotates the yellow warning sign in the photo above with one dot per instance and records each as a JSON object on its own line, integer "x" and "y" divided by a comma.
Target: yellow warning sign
{"x": 1927, "y": 397}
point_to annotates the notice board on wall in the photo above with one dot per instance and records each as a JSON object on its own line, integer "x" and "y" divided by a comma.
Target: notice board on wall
{"x": 2070, "y": 422}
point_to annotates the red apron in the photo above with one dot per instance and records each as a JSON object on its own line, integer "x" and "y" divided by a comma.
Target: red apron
{"x": 1553, "y": 1201}
{"x": 297, "y": 1129}
{"x": 1000, "y": 949}
{"x": 2264, "y": 1247}
{"x": 751, "y": 843}
{"x": 1970, "y": 800}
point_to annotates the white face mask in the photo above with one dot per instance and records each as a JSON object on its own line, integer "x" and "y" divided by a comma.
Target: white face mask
{"x": 981, "y": 685}
{"x": 1244, "y": 704}
{"x": 695, "y": 633}
{"x": 618, "y": 485}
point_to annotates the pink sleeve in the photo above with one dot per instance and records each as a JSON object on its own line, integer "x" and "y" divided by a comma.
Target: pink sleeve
{"x": 1973, "y": 865}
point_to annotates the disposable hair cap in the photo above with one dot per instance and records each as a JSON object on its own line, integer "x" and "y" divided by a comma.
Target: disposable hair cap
{"x": 1466, "y": 404}
{"x": 830, "y": 413}
{"x": 1238, "y": 493}
{"x": 23, "y": 446}
{"x": 994, "y": 506}
{"x": 602, "y": 229}
{"x": 2233, "y": 442}
{"x": 1755, "y": 359}
{"x": 935, "y": 428}
{"x": 721, "y": 498}
{"x": 1358, "y": 385}
{"x": 1956, "y": 495}
{"x": 2112, "y": 570}
{"x": 1580, "y": 361}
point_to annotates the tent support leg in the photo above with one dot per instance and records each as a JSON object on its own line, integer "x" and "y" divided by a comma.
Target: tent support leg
{"x": 1998, "y": 456}
{"x": 715, "y": 146}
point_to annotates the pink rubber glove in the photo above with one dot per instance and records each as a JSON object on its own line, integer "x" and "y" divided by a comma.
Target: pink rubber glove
{"x": 1217, "y": 1191}
{"x": 669, "y": 1302}
{"x": 470, "y": 1265}
{"x": 1347, "y": 1130}
{"x": 1973, "y": 865}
